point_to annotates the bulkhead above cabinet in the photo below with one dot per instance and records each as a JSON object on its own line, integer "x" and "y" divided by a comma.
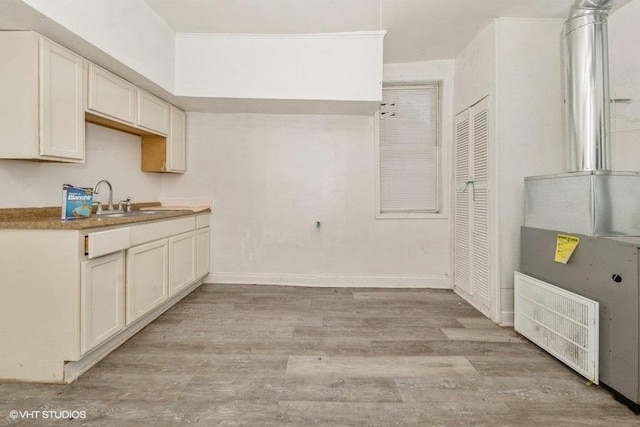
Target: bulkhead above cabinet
{"x": 336, "y": 73}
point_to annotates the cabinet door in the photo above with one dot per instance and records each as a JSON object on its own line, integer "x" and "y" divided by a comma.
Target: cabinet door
{"x": 102, "y": 299}
{"x": 480, "y": 202}
{"x": 182, "y": 261}
{"x": 176, "y": 142}
{"x": 146, "y": 278}
{"x": 153, "y": 113}
{"x": 462, "y": 205}
{"x": 60, "y": 104}
{"x": 203, "y": 251}
{"x": 471, "y": 241}
{"x": 110, "y": 96}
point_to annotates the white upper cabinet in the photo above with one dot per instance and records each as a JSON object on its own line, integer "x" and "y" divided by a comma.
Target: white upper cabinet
{"x": 114, "y": 102}
{"x": 48, "y": 92}
{"x": 176, "y": 142}
{"x": 153, "y": 113}
{"x": 110, "y": 96}
{"x": 41, "y": 108}
{"x": 168, "y": 154}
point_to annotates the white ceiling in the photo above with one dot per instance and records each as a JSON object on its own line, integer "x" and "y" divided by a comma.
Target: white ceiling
{"x": 417, "y": 30}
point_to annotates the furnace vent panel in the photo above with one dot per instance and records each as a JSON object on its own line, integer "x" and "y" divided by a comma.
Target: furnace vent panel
{"x": 562, "y": 323}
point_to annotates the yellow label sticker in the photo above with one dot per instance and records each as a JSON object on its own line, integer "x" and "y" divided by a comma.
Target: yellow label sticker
{"x": 565, "y": 245}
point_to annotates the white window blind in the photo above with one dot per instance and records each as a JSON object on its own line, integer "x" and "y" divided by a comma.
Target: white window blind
{"x": 408, "y": 150}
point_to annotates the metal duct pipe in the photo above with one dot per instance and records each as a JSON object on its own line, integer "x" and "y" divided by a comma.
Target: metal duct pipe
{"x": 586, "y": 86}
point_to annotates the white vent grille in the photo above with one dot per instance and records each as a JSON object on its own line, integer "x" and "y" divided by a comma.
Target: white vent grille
{"x": 562, "y": 323}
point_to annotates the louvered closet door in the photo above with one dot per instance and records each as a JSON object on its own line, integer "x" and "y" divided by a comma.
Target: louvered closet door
{"x": 480, "y": 202}
{"x": 462, "y": 260}
{"x": 471, "y": 245}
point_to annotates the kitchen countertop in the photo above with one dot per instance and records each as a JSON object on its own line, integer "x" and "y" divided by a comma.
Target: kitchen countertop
{"x": 49, "y": 218}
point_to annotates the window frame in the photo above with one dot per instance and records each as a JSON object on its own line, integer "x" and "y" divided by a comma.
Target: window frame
{"x": 439, "y": 213}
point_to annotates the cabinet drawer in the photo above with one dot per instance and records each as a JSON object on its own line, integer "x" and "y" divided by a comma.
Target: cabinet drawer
{"x": 107, "y": 242}
{"x": 161, "y": 229}
{"x": 202, "y": 221}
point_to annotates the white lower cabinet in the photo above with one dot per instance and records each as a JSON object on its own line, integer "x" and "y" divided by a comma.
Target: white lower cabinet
{"x": 203, "y": 252}
{"x": 147, "y": 285}
{"x": 102, "y": 299}
{"x": 182, "y": 261}
{"x": 81, "y": 293}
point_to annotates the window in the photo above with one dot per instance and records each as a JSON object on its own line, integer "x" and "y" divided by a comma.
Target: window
{"x": 408, "y": 152}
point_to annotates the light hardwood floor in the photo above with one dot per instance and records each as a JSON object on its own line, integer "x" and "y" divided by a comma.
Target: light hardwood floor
{"x": 279, "y": 356}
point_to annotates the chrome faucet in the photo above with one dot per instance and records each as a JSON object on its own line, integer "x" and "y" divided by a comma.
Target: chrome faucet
{"x": 125, "y": 205}
{"x": 95, "y": 191}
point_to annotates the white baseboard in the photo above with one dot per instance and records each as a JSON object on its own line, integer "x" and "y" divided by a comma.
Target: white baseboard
{"x": 507, "y": 318}
{"x": 328, "y": 280}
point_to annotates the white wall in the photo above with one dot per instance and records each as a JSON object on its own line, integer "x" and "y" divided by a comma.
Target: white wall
{"x": 529, "y": 132}
{"x": 624, "y": 68}
{"x": 128, "y": 30}
{"x": 475, "y": 70}
{"x": 110, "y": 155}
{"x": 271, "y": 177}
{"x": 341, "y": 66}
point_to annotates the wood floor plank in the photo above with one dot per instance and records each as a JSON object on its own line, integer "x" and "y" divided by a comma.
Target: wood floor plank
{"x": 228, "y": 334}
{"x": 248, "y": 320}
{"x": 275, "y": 389}
{"x": 118, "y": 384}
{"x": 336, "y": 346}
{"x": 563, "y": 390}
{"x": 360, "y": 321}
{"x": 384, "y": 414}
{"x": 371, "y": 333}
{"x": 243, "y": 366}
{"x": 400, "y": 366}
{"x": 479, "y": 334}
{"x": 499, "y": 350}
{"x": 533, "y": 365}
{"x": 477, "y": 323}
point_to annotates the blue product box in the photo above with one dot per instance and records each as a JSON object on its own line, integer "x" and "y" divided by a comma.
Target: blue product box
{"x": 76, "y": 202}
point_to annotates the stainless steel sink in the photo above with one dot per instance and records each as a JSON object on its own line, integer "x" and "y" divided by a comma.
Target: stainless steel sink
{"x": 149, "y": 212}
{"x": 130, "y": 214}
{"x": 112, "y": 215}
